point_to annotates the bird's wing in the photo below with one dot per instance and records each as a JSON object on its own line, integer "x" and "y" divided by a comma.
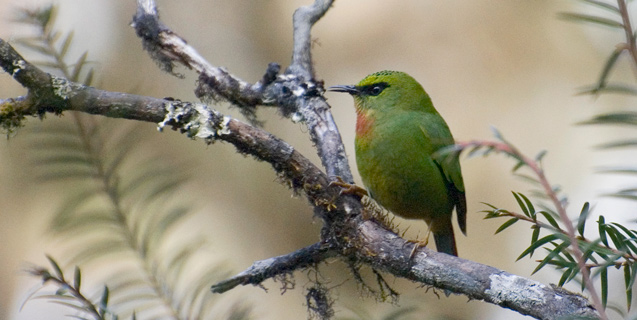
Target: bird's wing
{"x": 450, "y": 170}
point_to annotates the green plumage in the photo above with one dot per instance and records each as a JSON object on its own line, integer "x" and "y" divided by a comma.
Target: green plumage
{"x": 397, "y": 131}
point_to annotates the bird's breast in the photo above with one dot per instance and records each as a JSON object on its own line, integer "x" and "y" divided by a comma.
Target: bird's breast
{"x": 394, "y": 161}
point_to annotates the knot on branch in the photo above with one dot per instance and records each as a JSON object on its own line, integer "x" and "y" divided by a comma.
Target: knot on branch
{"x": 64, "y": 89}
{"x": 291, "y": 92}
{"x": 195, "y": 120}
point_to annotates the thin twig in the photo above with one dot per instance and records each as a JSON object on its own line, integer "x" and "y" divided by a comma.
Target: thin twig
{"x": 303, "y": 21}
{"x": 628, "y": 30}
{"x": 167, "y": 48}
{"x": 61, "y": 283}
{"x": 297, "y": 94}
{"x": 269, "y": 268}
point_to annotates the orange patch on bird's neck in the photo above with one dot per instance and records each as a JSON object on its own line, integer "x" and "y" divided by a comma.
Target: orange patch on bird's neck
{"x": 364, "y": 122}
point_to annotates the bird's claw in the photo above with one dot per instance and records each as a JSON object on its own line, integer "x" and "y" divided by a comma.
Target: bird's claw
{"x": 349, "y": 188}
{"x": 419, "y": 244}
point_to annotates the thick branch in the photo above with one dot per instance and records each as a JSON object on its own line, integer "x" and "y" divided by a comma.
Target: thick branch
{"x": 388, "y": 252}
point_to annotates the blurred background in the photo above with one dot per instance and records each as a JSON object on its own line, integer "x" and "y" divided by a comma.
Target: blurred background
{"x": 513, "y": 65}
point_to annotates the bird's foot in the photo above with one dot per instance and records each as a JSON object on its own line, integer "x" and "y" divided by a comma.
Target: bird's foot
{"x": 419, "y": 244}
{"x": 348, "y": 188}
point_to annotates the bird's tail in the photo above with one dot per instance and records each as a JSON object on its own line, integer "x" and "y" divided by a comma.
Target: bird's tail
{"x": 445, "y": 241}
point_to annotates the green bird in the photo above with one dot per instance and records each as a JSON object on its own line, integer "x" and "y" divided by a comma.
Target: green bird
{"x": 397, "y": 132}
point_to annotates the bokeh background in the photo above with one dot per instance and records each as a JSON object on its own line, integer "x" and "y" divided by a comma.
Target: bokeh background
{"x": 513, "y": 65}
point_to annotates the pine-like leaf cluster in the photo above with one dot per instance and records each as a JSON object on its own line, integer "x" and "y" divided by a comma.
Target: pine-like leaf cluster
{"x": 118, "y": 211}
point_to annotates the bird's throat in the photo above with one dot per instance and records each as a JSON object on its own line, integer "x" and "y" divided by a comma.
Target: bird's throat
{"x": 364, "y": 122}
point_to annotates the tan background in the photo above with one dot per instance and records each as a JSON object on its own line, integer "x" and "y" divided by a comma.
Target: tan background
{"x": 509, "y": 64}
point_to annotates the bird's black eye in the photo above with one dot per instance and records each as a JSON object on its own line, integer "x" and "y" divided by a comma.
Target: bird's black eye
{"x": 375, "y": 89}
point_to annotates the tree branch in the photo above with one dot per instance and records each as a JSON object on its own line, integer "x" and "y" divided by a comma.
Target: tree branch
{"x": 269, "y": 268}
{"x": 475, "y": 280}
{"x": 48, "y": 93}
{"x": 303, "y": 20}
{"x": 297, "y": 94}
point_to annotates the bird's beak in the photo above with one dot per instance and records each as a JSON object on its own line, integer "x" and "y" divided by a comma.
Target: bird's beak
{"x": 342, "y": 88}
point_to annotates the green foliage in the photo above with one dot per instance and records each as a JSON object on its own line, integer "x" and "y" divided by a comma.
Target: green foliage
{"x": 47, "y": 42}
{"x": 616, "y": 247}
{"x": 568, "y": 245}
{"x": 118, "y": 211}
{"x": 593, "y": 19}
{"x": 618, "y": 241}
{"x": 70, "y": 294}
{"x": 614, "y": 16}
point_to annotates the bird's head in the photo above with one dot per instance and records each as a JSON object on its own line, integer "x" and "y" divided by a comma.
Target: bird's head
{"x": 387, "y": 90}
